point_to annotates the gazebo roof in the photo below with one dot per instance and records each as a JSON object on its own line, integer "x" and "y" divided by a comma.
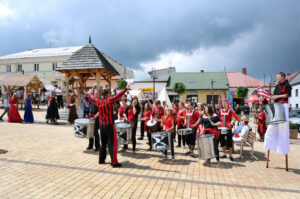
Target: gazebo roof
{"x": 87, "y": 57}
{"x": 19, "y": 79}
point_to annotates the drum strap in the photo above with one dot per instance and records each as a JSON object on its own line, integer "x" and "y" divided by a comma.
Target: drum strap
{"x": 224, "y": 115}
{"x": 189, "y": 117}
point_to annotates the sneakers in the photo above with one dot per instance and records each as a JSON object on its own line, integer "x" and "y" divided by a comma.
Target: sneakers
{"x": 189, "y": 153}
{"x": 101, "y": 162}
{"x": 116, "y": 165}
{"x": 231, "y": 158}
{"x": 173, "y": 158}
{"x": 140, "y": 138}
{"x": 207, "y": 161}
{"x": 224, "y": 156}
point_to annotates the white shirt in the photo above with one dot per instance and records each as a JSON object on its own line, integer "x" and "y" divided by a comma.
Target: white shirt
{"x": 244, "y": 133}
{"x": 6, "y": 103}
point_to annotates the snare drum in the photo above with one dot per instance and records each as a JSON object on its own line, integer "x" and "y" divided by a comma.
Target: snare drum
{"x": 124, "y": 131}
{"x": 161, "y": 140}
{"x": 84, "y": 128}
{"x": 185, "y": 131}
{"x": 223, "y": 130}
{"x": 152, "y": 125}
{"x": 275, "y": 113}
{"x": 206, "y": 146}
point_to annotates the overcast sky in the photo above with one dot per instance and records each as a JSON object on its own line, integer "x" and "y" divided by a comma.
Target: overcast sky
{"x": 262, "y": 35}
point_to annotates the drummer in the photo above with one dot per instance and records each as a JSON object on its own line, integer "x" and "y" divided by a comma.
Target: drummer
{"x": 157, "y": 113}
{"x": 192, "y": 120}
{"x": 208, "y": 125}
{"x": 277, "y": 135}
{"x": 227, "y": 114}
{"x": 180, "y": 123}
{"x": 168, "y": 125}
{"x": 146, "y": 115}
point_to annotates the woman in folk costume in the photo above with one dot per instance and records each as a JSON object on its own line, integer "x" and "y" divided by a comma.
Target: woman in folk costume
{"x": 192, "y": 120}
{"x": 52, "y": 110}
{"x": 14, "y": 115}
{"x": 262, "y": 125}
{"x": 277, "y": 135}
{"x": 209, "y": 125}
{"x": 72, "y": 109}
{"x": 180, "y": 123}
{"x": 28, "y": 116}
{"x": 167, "y": 123}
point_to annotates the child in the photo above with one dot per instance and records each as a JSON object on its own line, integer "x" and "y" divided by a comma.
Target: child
{"x": 241, "y": 137}
{"x": 168, "y": 125}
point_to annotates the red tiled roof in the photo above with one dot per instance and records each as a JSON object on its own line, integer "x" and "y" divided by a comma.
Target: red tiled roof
{"x": 291, "y": 76}
{"x": 239, "y": 79}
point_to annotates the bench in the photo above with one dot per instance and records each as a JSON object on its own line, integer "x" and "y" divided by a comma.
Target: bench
{"x": 248, "y": 143}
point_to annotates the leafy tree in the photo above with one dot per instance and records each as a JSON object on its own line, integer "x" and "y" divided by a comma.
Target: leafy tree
{"x": 122, "y": 83}
{"x": 179, "y": 88}
{"x": 242, "y": 91}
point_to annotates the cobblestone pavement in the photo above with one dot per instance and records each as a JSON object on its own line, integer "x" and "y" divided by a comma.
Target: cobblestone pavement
{"x": 47, "y": 161}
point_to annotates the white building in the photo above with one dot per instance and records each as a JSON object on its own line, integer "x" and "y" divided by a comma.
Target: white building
{"x": 294, "y": 99}
{"x": 43, "y": 63}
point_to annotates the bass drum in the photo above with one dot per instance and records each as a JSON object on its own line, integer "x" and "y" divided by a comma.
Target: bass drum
{"x": 152, "y": 125}
{"x": 161, "y": 141}
{"x": 275, "y": 113}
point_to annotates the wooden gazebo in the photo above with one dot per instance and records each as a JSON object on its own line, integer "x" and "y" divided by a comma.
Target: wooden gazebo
{"x": 85, "y": 63}
{"x": 13, "y": 81}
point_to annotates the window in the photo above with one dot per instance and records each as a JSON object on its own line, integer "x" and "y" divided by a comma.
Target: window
{"x": 36, "y": 67}
{"x": 54, "y": 66}
{"x": 209, "y": 99}
{"x": 296, "y": 92}
{"x": 19, "y": 68}
{"x": 297, "y": 106}
{"x": 8, "y": 68}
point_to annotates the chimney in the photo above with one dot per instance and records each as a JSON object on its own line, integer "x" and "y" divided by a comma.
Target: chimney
{"x": 201, "y": 71}
{"x": 244, "y": 71}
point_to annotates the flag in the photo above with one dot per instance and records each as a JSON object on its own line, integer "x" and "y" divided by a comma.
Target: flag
{"x": 230, "y": 99}
{"x": 220, "y": 100}
{"x": 262, "y": 92}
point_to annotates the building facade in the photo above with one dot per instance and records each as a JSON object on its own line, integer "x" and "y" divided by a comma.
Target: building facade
{"x": 294, "y": 99}
{"x": 43, "y": 62}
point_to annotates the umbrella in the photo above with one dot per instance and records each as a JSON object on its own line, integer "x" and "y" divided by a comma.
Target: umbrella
{"x": 253, "y": 98}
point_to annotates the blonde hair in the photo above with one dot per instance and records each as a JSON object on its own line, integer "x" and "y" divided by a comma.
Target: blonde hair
{"x": 166, "y": 110}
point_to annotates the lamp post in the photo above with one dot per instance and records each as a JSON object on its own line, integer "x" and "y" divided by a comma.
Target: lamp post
{"x": 212, "y": 89}
{"x": 153, "y": 77}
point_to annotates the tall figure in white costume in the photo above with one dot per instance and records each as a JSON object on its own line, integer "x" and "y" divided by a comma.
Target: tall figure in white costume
{"x": 277, "y": 135}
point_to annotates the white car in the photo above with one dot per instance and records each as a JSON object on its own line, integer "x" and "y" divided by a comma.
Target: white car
{"x": 295, "y": 118}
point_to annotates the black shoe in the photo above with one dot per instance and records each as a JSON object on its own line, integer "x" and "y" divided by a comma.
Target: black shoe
{"x": 189, "y": 153}
{"x": 224, "y": 156}
{"x": 116, "y": 165}
{"x": 101, "y": 162}
{"x": 150, "y": 149}
{"x": 178, "y": 146}
{"x": 97, "y": 149}
{"x": 231, "y": 158}
{"x": 125, "y": 147}
{"x": 89, "y": 148}
{"x": 1, "y": 119}
{"x": 140, "y": 138}
{"x": 147, "y": 143}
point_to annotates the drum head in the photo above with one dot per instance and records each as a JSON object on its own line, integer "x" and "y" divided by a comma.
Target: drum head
{"x": 151, "y": 122}
{"x": 82, "y": 121}
{"x": 123, "y": 125}
{"x": 118, "y": 121}
{"x": 206, "y": 135}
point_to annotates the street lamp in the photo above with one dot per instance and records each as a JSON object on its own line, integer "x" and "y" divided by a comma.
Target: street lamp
{"x": 153, "y": 77}
{"x": 212, "y": 89}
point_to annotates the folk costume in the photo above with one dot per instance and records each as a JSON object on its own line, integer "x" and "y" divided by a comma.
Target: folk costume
{"x": 28, "y": 115}
{"x": 14, "y": 115}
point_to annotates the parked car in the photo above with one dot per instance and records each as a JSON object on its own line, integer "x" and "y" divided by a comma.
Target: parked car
{"x": 295, "y": 118}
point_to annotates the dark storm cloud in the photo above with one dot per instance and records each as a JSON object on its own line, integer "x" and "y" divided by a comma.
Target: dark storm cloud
{"x": 139, "y": 31}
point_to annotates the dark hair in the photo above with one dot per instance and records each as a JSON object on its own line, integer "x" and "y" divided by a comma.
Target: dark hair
{"x": 246, "y": 122}
{"x": 210, "y": 110}
{"x": 282, "y": 74}
{"x": 105, "y": 92}
{"x": 214, "y": 109}
{"x": 157, "y": 102}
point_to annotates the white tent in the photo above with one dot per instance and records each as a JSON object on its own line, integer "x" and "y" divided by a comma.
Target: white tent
{"x": 163, "y": 96}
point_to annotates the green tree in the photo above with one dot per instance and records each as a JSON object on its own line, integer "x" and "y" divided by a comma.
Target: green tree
{"x": 242, "y": 91}
{"x": 122, "y": 83}
{"x": 179, "y": 88}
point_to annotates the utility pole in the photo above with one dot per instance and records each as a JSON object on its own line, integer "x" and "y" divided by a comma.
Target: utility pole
{"x": 212, "y": 89}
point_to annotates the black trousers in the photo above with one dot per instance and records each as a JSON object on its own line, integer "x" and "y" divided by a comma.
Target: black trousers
{"x": 181, "y": 137}
{"x": 172, "y": 145}
{"x": 142, "y": 128}
{"x": 108, "y": 139}
{"x": 60, "y": 101}
{"x": 96, "y": 135}
{"x": 6, "y": 110}
{"x": 86, "y": 114}
{"x": 133, "y": 136}
{"x": 228, "y": 141}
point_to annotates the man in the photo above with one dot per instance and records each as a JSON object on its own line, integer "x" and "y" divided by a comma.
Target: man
{"x": 6, "y": 105}
{"x": 246, "y": 110}
{"x": 150, "y": 102}
{"x": 277, "y": 135}
{"x": 92, "y": 105}
{"x": 107, "y": 126}
{"x": 59, "y": 97}
{"x": 237, "y": 111}
{"x": 227, "y": 116}
{"x": 192, "y": 120}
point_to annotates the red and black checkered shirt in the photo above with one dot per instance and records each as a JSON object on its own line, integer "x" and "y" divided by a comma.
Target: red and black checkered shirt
{"x": 105, "y": 108}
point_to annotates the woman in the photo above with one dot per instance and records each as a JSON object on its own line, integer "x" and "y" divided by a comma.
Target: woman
{"x": 168, "y": 125}
{"x": 209, "y": 125}
{"x": 241, "y": 137}
{"x": 146, "y": 115}
{"x": 28, "y": 116}
{"x": 131, "y": 114}
{"x": 72, "y": 110}
{"x": 14, "y": 115}
{"x": 52, "y": 111}
{"x": 180, "y": 123}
